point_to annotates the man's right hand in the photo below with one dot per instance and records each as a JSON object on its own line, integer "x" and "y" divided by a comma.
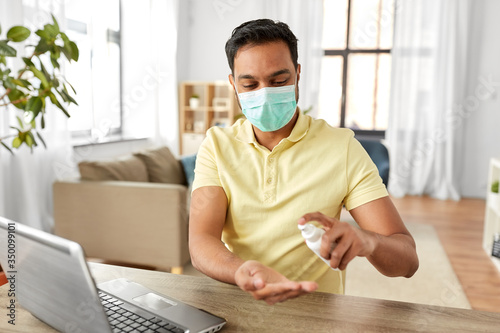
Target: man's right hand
{"x": 266, "y": 284}
{"x": 210, "y": 255}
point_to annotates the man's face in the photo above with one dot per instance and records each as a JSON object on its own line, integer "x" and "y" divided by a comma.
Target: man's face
{"x": 264, "y": 65}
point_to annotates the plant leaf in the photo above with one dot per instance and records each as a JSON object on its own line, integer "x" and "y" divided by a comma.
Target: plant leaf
{"x": 56, "y": 25}
{"x": 16, "y": 142}
{"x": 8, "y": 83}
{"x": 18, "y": 33}
{"x": 75, "y": 53}
{"x": 42, "y": 46}
{"x": 15, "y": 95}
{"x": 69, "y": 96}
{"x": 45, "y": 72}
{"x": 53, "y": 58}
{"x": 41, "y": 139}
{"x": 34, "y": 104}
{"x": 40, "y": 76}
{"x": 66, "y": 50}
{"x": 28, "y": 62}
{"x": 7, "y": 50}
{"x": 43, "y": 34}
{"x": 22, "y": 83}
{"x": 7, "y": 147}
{"x": 65, "y": 38}
{"x": 29, "y": 139}
{"x": 51, "y": 30}
{"x": 56, "y": 102}
{"x": 72, "y": 88}
{"x": 66, "y": 97}
{"x": 20, "y": 122}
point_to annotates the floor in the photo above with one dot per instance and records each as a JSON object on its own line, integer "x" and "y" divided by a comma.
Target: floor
{"x": 459, "y": 225}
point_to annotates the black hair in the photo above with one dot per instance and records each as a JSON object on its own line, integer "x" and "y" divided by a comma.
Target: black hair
{"x": 258, "y": 32}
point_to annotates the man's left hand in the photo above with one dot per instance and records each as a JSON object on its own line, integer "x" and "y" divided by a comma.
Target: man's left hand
{"x": 341, "y": 242}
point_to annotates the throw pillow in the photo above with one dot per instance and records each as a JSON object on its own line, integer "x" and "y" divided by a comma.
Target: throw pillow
{"x": 130, "y": 168}
{"x": 188, "y": 164}
{"x": 162, "y": 166}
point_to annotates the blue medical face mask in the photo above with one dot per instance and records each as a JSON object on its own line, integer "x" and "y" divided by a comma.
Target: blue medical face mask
{"x": 270, "y": 108}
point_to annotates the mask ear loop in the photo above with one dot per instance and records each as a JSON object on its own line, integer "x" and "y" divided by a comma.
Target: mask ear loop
{"x": 235, "y": 89}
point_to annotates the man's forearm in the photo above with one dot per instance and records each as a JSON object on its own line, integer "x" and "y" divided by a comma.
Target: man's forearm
{"x": 211, "y": 257}
{"x": 394, "y": 255}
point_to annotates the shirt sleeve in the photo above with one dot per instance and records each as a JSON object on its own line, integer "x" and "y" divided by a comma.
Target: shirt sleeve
{"x": 206, "y": 172}
{"x": 363, "y": 179}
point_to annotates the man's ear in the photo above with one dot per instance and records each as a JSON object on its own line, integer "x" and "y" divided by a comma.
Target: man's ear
{"x": 231, "y": 80}
{"x": 298, "y": 73}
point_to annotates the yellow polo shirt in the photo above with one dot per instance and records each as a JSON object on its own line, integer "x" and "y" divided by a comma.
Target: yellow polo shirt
{"x": 317, "y": 168}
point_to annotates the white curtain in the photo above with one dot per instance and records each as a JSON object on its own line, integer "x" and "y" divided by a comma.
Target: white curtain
{"x": 26, "y": 178}
{"x": 165, "y": 24}
{"x": 149, "y": 71}
{"x": 425, "y": 133}
{"x": 305, "y": 19}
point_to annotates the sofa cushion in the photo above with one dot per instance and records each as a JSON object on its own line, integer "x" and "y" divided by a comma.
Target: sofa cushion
{"x": 162, "y": 166}
{"x": 130, "y": 168}
{"x": 188, "y": 164}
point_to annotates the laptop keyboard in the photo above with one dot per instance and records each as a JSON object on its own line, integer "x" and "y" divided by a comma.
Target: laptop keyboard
{"x": 124, "y": 318}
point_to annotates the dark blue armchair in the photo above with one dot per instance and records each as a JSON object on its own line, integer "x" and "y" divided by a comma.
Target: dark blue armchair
{"x": 379, "y": 155}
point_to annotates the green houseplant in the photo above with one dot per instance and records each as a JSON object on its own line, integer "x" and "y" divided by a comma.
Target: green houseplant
{"x": 36, "y": 84}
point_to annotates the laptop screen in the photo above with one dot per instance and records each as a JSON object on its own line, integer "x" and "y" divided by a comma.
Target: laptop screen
{"x": 50, "y": 278}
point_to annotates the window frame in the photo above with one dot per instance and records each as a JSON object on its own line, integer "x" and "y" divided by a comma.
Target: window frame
{"x": 344, "y": 53}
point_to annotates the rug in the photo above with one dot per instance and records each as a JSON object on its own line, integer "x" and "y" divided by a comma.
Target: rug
{"x": 434, "y": 283}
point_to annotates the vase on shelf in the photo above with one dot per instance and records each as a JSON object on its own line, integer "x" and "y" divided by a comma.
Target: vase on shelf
{"x": 194, "y": 102}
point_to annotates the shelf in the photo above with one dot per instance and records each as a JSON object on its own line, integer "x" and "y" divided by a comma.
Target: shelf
{"x": 218, "y": 110}
{"x": 194, "y": 132}
{"x": 198, "y": 109}
{"x": 492, "y": 214}
{"x": 206, "y": 109}
{"x": 217, "y": 106}
{"x": 494, "y": 202}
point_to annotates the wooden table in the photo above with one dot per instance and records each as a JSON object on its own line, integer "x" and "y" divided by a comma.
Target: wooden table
{"x": 316, "y": 312}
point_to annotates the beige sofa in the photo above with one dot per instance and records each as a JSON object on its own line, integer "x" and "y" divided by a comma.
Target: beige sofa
{"x": 129, "y": 210}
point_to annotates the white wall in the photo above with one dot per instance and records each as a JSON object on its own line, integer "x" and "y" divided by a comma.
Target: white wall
{"x": 205, "y": 27}
{"x": 482, "y": 111}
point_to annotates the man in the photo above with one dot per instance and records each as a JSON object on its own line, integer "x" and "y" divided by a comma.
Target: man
{"x": 257, "y": 180}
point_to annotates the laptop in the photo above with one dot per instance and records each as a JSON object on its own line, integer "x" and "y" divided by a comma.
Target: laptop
{"x": 52, "y": 281}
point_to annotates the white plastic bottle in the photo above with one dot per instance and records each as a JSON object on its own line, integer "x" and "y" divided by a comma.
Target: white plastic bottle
{"x": 312, "y": 235}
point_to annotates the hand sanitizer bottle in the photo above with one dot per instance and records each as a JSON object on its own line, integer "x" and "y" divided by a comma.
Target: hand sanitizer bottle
{"x": 312, "y": 235}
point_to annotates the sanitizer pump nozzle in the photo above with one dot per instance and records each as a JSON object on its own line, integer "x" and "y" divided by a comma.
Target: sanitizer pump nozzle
{"x": 312, "y": 235}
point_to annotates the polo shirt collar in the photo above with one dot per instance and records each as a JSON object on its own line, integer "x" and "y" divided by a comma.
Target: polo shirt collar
{"x": 300, "y": 129}
{"x": 246, "y": 134}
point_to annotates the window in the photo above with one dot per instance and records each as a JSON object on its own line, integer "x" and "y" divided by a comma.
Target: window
{"x": 94, "y": 25}
{"x": 355, "y": 77}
